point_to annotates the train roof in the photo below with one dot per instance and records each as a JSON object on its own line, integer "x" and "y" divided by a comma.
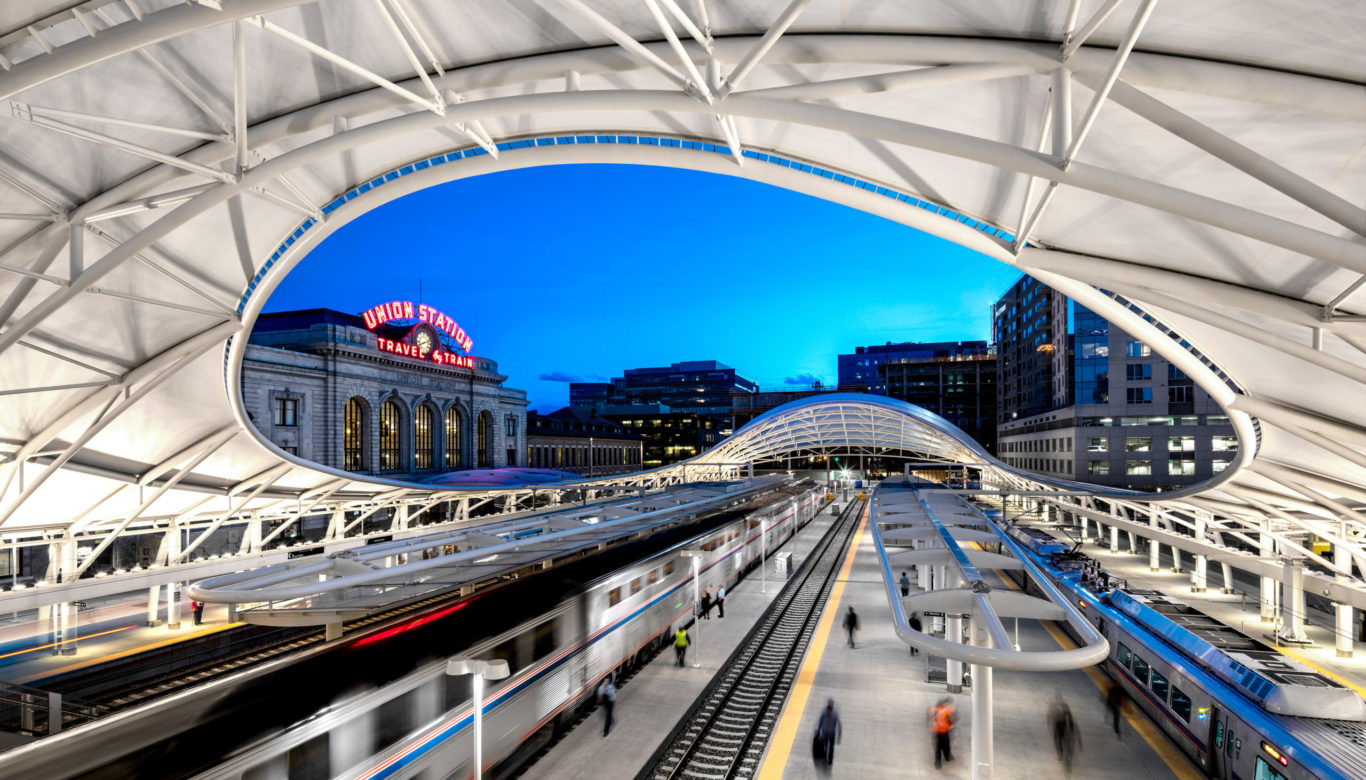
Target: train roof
{"x": 1279, "y": 683}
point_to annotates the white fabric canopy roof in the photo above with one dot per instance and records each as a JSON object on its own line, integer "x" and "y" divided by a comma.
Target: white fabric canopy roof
{"x": 1216, "y": 187}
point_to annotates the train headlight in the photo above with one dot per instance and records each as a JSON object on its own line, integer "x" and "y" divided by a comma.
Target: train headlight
{"x": 1276, "y": 754}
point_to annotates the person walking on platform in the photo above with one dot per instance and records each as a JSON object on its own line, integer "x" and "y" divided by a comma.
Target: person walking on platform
{"x": 681, "y": 642}
{"x": 905, "y": 585}
{"x": 721, "y": 601}
{"x": 607, "y": 697}
{"x": 1114, "y": 698}
{"x": 1066, "y": 737}
{"x": 851, "y": 624}
{"x": 706, "y": 604}
{"x": 941, "y": 723}
{"x": 914, "y": 623}
{"x": 198, "y": 607}
{"x": 827, "y": 734}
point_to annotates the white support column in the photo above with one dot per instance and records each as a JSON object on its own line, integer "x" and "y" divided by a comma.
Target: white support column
{"x": 1199, "y": 579}
{"x": 1085, "y": 529}
{"x": 954, "y": 633}
{"x": 153, "y": 605}
{"x": 172, "y": 606}
{"x": 1345, "y": 625}
{"x": 1114, "y": 539}
{"x": 1268, "y": 596}
{"x": 1176, "y": 560}
{"x": 1292, "y": 609}
{"x": 983, "y": 719}
{"x": 1228, "y": 577}
{"x": 401, "y": 518}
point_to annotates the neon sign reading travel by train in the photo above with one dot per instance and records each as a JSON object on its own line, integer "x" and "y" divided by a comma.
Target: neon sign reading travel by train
{"x": 407, "y": 310}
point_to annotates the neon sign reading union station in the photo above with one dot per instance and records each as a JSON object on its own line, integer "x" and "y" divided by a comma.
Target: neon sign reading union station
{"x": 424, "y": 340}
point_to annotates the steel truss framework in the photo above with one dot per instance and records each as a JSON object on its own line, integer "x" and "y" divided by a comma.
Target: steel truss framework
{"x": 166, "y": 163}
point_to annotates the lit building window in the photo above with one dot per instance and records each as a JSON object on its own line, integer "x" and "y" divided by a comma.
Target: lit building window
{"x": 453, "y": 434}
{"x": 353, "y": 435}
{"x": 423, "y": 453}
{"x": 1223, "y": 443}
{"x": 484, "y": 440}
{"x": 1140, "y": 467}
{"x": 388, "y": 437}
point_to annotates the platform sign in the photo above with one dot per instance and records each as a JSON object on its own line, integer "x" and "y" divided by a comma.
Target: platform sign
{"x": 304, "y": 553}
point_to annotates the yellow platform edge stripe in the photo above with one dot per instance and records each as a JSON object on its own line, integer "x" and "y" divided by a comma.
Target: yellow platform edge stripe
{"x": 775, "y": 759}
{"x": 125, "y": 653}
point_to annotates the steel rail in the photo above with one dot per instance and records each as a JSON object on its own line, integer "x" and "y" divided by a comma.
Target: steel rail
{"x": 696, "y": 747}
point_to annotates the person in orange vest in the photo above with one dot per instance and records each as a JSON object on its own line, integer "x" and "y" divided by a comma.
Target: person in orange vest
{"x": 941, "y": 722}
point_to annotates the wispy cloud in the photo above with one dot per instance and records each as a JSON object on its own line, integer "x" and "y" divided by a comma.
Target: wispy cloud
{"x": 560, "y": 376}
{"x": 803, "y": 379}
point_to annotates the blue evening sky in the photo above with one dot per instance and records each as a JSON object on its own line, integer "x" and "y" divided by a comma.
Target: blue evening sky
{"x": 577, "y": 272}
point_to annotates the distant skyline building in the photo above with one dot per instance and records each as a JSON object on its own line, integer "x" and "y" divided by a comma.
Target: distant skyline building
{"x": 701, "y": 387}
{"x": 1120, "y": 414}
{"x": 581, "y": 442}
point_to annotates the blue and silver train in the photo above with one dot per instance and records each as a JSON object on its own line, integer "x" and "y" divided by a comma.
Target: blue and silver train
{"x": 1239, "y": 709}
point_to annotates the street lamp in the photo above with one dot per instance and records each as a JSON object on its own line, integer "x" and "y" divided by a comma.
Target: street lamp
{"x": 482, "y": 670}
{"x": 696, "y": 556}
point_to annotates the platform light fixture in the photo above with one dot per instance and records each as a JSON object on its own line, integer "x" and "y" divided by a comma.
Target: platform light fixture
{"x": 481, "y": 670}
{"x": 696, "y": 556}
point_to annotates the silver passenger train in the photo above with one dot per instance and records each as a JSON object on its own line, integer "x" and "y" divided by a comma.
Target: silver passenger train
{"x": 1239, "y": 709}
{"x": 420, "y": 725}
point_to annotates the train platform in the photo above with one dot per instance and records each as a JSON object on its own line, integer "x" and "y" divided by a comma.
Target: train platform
{"x": 650, "y": 703}
{"x": 111, "y": 629}
{"x": 1239, "y": 610}
{"x": 883, "y": 698}
{"x": 881, "y": 693}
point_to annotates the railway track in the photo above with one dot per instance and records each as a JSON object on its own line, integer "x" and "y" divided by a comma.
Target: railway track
{"x": 725, "y": 732}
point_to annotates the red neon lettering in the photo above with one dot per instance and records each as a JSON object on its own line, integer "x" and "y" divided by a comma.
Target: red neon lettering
{"x": 370, "y": 321}
{"x": 408, "y": 309}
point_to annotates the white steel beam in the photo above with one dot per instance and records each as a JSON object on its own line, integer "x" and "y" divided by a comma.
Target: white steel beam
{"x": 1074, "y": 42}
{"x": 346, "y": 65}
{"x": 239, "y": 97}
{"x": 147, "y": 203}
{"x": 59, "y": 113}
{"x": 409, "y": 53}
{"x": 894, "y": 81}
{"x": 21, "y": 112}
{"x": 771, "y": 36}
{"x": 625, "y": 41}
{"x": 1098, "y": 100}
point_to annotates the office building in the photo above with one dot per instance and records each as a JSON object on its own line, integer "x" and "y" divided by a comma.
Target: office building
{"x": 1129, "y": 417}
{"x": 700, "y": 387}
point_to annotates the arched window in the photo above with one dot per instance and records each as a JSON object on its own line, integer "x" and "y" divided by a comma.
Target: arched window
{"x": 484, "y": 445}
{"x": 454, "y": 432}
{"x": 388, "y": 437}
{"x": 353, "y": 435}
{"x": 424, "y": 453}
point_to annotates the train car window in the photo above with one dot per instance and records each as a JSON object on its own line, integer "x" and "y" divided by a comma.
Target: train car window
{"x": 1140, "y": 669}
{"x": 1265, "y": 772}
{"x": 654, "y": 576}
{"x": 459, "y": 689}
{"x": 310, "y": 761}
{"x": 1181, "y": 704}
{"x": 1124, "y": 655}
{"x": 507, "y": 651}
{"x": 1218, "y": 735}
{"x": 543, "y": 641}
{"x": 635, "y": 586}
{"x": 1228, "y": 744}
{"x": 668, "y": 568}
{"x": 613, "y": 596}
{"x": 1159, "y": 686}
{"x": 394, "y": 720}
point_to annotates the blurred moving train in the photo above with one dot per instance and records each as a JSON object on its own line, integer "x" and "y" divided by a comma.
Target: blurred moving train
{"x": 1239, "y": 709}
{"x": 380, "y": 705}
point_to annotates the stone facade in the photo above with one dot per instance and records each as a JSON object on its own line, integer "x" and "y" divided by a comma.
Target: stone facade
{"x": 580, "y": 442}
{"x": 301, "y": 369}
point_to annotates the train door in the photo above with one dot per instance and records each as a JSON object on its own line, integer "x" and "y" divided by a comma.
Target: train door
{"x": 1214, "y": 744}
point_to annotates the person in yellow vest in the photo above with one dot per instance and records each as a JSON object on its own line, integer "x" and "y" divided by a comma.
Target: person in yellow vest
{"x": 681, "y": 642}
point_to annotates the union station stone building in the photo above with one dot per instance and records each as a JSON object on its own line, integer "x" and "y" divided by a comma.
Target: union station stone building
{"x": 394, "y": 399}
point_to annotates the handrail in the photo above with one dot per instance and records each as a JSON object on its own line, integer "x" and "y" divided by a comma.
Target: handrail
{"x": 1096, "y": 649}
